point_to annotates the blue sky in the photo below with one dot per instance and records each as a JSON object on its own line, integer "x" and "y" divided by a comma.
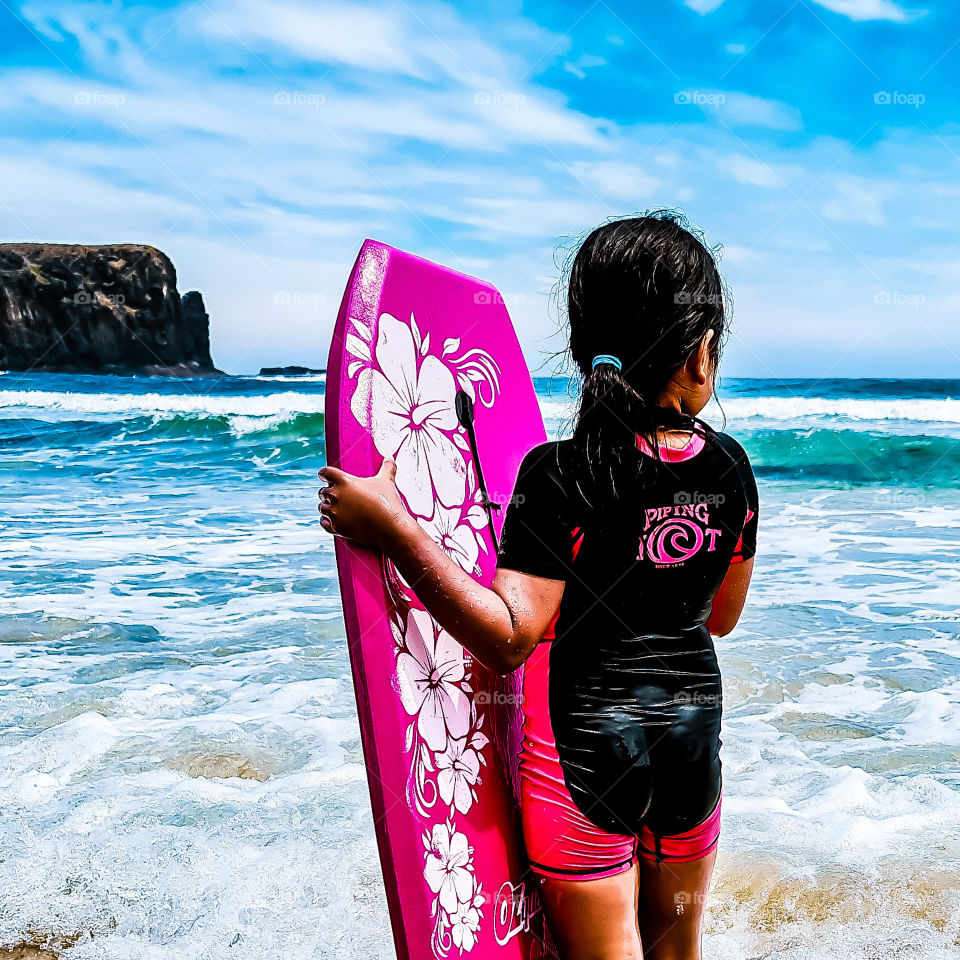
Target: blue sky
{"x": 259, "y": 141}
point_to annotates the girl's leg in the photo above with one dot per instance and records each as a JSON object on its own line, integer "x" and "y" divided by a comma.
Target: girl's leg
{"x": 594, "y": 919}
{"x": 670, "y": 907}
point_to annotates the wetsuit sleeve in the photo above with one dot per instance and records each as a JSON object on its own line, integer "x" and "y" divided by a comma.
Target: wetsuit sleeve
{"x": 747, "y": 544}
{"x": 535, "y": 538}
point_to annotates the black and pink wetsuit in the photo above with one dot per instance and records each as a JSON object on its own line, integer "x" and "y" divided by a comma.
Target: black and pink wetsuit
{"x": 622, "y": 697}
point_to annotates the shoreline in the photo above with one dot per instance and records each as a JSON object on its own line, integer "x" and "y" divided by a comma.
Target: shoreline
{"x": 27, "y": 951}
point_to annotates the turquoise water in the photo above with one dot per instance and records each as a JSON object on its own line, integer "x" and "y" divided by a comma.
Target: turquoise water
{"x": 180, "y": 765}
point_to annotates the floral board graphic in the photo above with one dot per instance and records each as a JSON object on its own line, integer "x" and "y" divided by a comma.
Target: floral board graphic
{"x": 405, "y": 391}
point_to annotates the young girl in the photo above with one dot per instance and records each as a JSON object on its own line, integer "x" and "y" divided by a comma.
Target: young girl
{"x": 623, "y": 550}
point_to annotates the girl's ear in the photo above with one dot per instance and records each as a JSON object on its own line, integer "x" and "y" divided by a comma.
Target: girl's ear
{"x": 702, "y": 359}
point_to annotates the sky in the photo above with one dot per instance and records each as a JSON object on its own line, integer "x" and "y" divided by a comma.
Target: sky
{"x": 258, "y": 142}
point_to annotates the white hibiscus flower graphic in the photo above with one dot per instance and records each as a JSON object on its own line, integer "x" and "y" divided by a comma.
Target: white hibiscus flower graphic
{"x": 430, "y": 667}
{"x": 458, "y": 770}
{"x": 465, "y": 923}
{"x": 408, "y": 401}
{"x": 449, "y": 871}
{"x": 459, "y": 541}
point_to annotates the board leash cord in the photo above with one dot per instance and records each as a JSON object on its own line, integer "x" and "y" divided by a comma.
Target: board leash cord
{"x": 464, "y": 407}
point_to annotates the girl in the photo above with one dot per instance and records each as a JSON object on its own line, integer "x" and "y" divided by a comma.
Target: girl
{"x": 623, "y": 550}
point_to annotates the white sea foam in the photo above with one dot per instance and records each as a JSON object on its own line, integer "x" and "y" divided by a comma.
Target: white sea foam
{"x": 801, "y": 410}
{"x": 847, "y": 408}
{"x": 120, "y": 405}
{"x": 292, "y": 403}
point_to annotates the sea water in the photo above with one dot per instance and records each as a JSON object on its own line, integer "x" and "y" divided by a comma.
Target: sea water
{"x": 180, "y": 766}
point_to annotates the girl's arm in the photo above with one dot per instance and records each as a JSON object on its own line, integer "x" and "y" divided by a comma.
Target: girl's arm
{"x": 728, "y": 603}
{"x": 499, "y": 625}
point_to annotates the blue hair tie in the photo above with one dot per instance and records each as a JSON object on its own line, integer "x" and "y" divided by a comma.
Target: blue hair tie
{"x": 607, "y": 358}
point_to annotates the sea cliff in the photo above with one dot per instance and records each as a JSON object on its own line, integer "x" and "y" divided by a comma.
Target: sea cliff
{"x": 102, "y": 309}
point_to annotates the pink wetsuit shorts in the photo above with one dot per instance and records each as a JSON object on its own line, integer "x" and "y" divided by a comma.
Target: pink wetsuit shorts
{"x": 561, "y": 842}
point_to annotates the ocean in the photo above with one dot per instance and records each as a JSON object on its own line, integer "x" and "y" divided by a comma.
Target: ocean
{"x": 180, "y": 766}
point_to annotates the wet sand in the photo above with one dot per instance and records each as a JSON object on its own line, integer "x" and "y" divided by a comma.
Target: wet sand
{"x": 40, "y": 946}
{"x": 26, "y": 951}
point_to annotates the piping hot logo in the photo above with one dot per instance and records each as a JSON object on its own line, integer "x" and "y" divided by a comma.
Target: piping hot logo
{"x": 672, "y": 535}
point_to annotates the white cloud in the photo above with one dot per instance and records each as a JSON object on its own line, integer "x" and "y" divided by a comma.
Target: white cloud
{"x": 733, "y": 106}
{"x": 801, "y": 241}
{"x": 947, "y": 271}
{"x": 858, "y": 200}
{"x": 667, "y": 158}
{"x": 743, "y": 108}
{"x": 949, "y": 191}
{"x": 872, "y": 10}
{"x": 746, "y": 169}
{"x": 427, "y": 40}
{"x": 500, "y": 216}
{"x": 703, "y": 6}
{"x": 329, "y": 33}
{"x": 530, "y": 117}
{"x": 621, "y": 181}
{"x": 739, "y": 256}
{"x": 312, "y": 114}
{"x": 584, "y": 63}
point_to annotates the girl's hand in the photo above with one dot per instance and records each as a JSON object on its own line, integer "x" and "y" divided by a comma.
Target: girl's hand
{"x": 364, "y": 509}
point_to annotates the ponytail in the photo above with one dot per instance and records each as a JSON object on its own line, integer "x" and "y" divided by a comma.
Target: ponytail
{"x": 612, "y": 419}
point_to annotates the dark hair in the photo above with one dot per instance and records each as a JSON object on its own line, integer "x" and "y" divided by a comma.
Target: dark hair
{"x": 646, "y": 290}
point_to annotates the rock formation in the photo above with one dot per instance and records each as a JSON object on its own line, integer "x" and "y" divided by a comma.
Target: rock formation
{"x": 293, "y": 371}
{"x": 109, "y": 309}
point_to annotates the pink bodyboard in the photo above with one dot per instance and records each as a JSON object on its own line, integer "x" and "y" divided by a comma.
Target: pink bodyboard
{"x": 441, "y": 734}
